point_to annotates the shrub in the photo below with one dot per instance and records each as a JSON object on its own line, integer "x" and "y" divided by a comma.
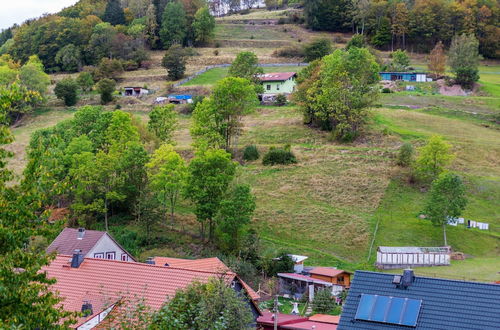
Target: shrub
{"x": 406, "y": 155}
{"x": 386, "y": 90}
{"x": 85, "y": 81}
{"x": 281, "y": 100}
{"x": 323, "y": 302}
{"x": 108, "y": 68}
{"x": 146, "y": 64}
{"x": 251, "y": 153}
{"x": 106, "y": 87}
{"x": 280, "y": 156}
{"x": 216, "y": 52}
{"x": 66, "y": 90}
{"x": 191, "y": 106}
{"x": 317, "y": 49}
{"x": 290, "y": 51}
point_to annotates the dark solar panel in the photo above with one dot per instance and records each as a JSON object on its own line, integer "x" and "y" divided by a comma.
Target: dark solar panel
{"x": 385, "y": 309}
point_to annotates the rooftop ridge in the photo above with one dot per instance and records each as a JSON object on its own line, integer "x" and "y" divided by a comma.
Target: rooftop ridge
{"x": 430, "y": 278}
{"x": 141, "y": 264}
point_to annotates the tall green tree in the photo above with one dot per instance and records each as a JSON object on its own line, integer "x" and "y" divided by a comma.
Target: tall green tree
{"x": 246, "y": 65}
{"x": 323, "y": 302}
{"x": 235, "y": 213}
{"x": 175, "y": 62}
{"x": 463, "y": 59}
{"x": 33, "y": 76}
{"x": 446, "y": 201}
{"x": 163, "y": 122}
{"x": 336, "y": 92}
{"x": 174, "y": 25}
{"x": 114, "y": 13}
{"x": 213, "y": 303}
{"x": 25, "y": 295}
{"x": 328, "y": 15}
{"x": 167, "y": 173}
{"x": 204, "y": 26}
{"x": 69, "y": 58}
{"x": 433, "y": 158}
{"x": 210, "y": 174}
{"x": 217, "y": 120}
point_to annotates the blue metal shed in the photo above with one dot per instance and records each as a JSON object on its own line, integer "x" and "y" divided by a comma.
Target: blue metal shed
{"x": 404, "y": 76}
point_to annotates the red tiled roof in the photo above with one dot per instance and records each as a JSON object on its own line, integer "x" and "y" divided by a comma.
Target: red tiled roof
{"x": 267, "y": 319}
{"x": 327, "y": 271}
{"x": 325, "y": 318}
{"x": 309, "y": 325}
{"x": 103, "y": 282}
{"x": 276, "y": 76}
{"x": 206, "y": 264}
{"x": 67, "y": 241}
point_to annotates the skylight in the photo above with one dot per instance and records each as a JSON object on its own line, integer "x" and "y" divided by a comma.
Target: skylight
{"x": 385, "y": 309}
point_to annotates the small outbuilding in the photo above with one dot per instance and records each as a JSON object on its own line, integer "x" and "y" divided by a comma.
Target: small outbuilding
{"x": 298, "y": 260}
{"x": 135, "y": 91}
{"x": 180, "y": 99}
{"x": 404, "y": 76}
{"x": 392, "y": 257}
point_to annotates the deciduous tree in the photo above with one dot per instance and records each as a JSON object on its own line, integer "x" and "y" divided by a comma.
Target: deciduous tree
{"x": 210, "y": 174}
{"x": 167, "y": 172}
{"x": 317, "y": 49}
{"x": 174, "y": 25}
{"x": 463, "y": 59}
{"x": 66, "y": 90}
{"x": 163, "y": 122}
{"x": 203, "y": 25}
{"x": 175, "y": 62}
{"x": 433, "y": 158}
{"x": 106, "y": 87}
{"x": 235, "y": 213}
{"x": 69, "y": 58}
{"x": 446, "y": 201}
{"x": 437, "y": 60}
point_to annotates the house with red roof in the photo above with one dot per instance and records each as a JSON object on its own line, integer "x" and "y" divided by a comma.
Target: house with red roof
{"x": 101, "y": 287}
{"x": 90, "y": 243}
{"x": 332, "y": 275}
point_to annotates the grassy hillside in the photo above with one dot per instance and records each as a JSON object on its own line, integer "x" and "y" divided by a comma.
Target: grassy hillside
{"x": 329, "y": 204}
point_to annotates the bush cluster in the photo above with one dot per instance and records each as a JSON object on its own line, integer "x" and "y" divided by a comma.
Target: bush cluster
{"x": 251, "y": 153}
{"x": 289, "y": 51}
{"x": 279, "y": 156}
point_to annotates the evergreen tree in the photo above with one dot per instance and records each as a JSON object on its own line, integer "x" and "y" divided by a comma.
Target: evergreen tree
{"x": 174, "y": 61}
{"x": 114, "y": 13}
{"x": 173, "y": 27}
{"x": 463, "y": 58}
{"x": 203, "y": 25}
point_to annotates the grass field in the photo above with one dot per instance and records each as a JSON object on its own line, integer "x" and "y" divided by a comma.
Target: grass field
{"x": 327, "y": 206}
{"x": 213, "y": 75}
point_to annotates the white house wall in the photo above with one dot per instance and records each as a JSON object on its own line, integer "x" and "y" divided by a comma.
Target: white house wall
{"x": 106, "y": 244}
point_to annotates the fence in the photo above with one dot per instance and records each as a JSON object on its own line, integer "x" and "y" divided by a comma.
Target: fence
{"x": 210, "y": 67}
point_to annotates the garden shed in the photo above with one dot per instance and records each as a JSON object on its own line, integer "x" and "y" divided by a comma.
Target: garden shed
{"x": 390, "y": 257}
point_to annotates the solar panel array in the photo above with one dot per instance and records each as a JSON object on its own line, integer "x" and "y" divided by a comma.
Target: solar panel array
{"x": 385, "y": 309}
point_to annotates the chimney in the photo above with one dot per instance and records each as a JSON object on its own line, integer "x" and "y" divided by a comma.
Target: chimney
{"x": 87, "y": 308}
{"x": 408, "y": 278}
{"x": 150, "y": 261}
{"x": 77, "y": 259}
{"x": 81, "y": 233}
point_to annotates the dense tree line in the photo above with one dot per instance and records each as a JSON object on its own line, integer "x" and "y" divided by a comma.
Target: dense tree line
{"x": 85, "y": 33}
{"x": 418, "y": 24}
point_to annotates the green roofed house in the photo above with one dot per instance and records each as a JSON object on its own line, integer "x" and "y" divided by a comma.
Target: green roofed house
{"x": 275, "y": 83}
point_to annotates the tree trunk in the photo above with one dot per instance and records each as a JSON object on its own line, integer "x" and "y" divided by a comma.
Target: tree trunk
{"x": 172, "y": 209}
{"x": 444, "y": 235}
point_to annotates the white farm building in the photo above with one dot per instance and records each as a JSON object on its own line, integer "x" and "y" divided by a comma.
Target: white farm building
{"x": 390, "y": 257}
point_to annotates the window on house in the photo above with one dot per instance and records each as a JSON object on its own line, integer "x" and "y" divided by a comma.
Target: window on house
{"x": 268, "y": 87}
{"x": 99, "y": 255}
{"x": 111, "y": 255}
{"x": 277, "y": 87}
{"x": 124, "y": 257}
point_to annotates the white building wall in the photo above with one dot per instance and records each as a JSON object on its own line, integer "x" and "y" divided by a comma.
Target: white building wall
{"x": 96, "y": 319}
{"x": 106, "y": 244}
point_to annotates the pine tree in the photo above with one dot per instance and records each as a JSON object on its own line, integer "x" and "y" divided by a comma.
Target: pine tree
{"x": 114, "y": 13}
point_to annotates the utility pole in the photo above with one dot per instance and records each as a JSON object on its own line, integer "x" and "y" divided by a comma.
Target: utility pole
{"x": 276, "y": 312}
